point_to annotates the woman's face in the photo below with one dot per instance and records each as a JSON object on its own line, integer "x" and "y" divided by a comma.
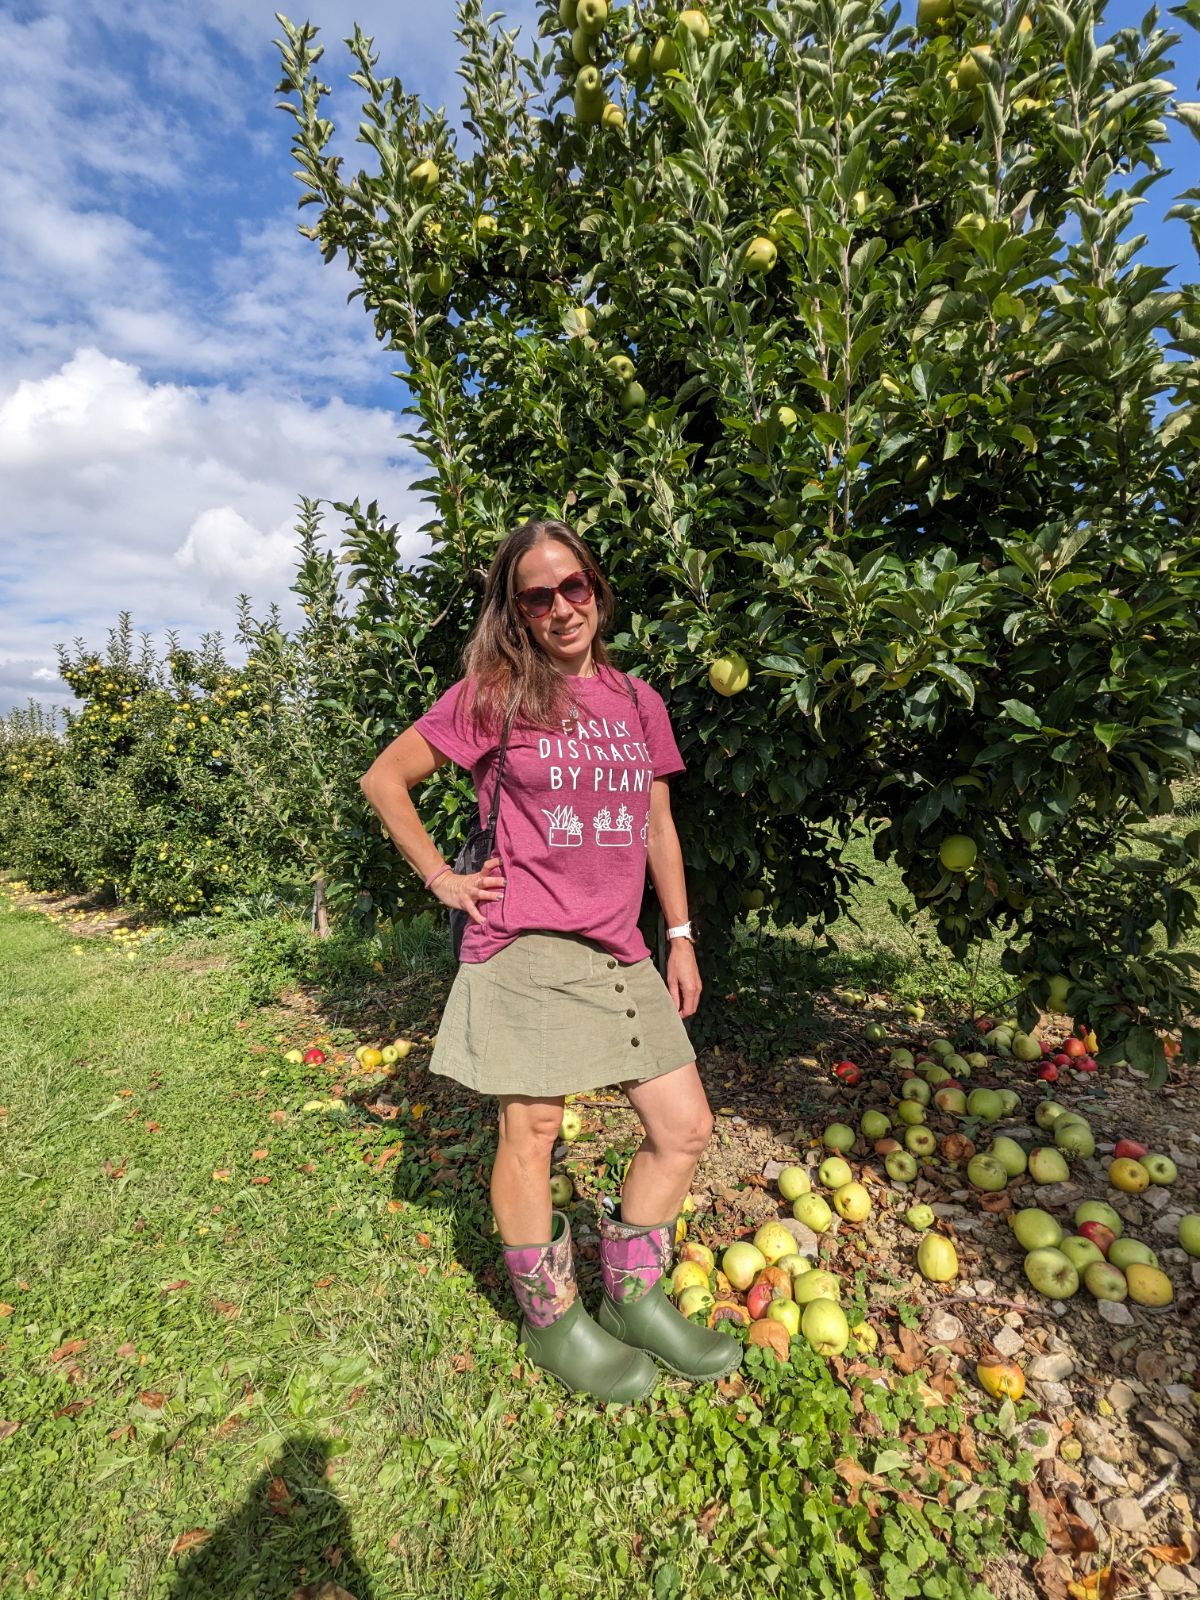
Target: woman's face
{"x": 544, "y": 566}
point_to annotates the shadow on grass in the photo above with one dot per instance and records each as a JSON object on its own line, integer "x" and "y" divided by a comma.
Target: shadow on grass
{"x": 289, "y": 1540}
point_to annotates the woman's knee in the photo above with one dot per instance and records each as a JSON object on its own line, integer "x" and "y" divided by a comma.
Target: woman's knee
{"x": 529, "y": 1129}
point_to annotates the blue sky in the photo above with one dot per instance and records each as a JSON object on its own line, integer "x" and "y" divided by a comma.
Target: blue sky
{"x": 177, "y": 365}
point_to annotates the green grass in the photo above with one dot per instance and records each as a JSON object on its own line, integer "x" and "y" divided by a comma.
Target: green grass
{"x": 320, "y": 1372}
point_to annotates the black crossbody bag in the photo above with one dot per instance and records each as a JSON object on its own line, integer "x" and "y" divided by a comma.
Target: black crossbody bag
{"x": 480, "y": 841}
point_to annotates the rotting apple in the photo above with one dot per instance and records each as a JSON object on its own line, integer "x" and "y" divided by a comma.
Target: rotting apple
{"x": 561, "y": 1189}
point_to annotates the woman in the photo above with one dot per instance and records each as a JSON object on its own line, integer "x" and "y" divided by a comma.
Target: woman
{"x": 556, "y": 992}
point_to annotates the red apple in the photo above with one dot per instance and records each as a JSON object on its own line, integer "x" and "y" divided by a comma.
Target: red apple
{"x": 1048, "y": 1072}
{"x": 986, "y": 1024}
{"x": 314, "y": 1057}
{"x": 1061, "y": 1060}
{"x": 1074, "y": 1047}
{"x": 1100, "y": 1236}
{"x": 1130, "y": 1148}
{"x": 847, "y": 1072}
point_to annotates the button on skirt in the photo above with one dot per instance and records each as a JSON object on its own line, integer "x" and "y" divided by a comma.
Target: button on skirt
{"x": 554, "y": 1014}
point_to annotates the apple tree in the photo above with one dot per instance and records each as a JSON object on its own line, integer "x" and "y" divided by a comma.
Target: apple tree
{"x": 835, "y": 338}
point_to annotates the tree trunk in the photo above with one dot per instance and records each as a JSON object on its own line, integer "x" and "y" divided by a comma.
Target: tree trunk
{"x": 320, "y": 912}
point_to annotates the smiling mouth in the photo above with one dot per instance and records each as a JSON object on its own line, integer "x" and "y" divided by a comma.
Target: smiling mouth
{"x": 570, "y": 632}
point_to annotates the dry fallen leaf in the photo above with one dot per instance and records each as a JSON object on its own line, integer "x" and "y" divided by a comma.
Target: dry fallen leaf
{"x": 1177, "y": 1555}
{"x": 221, "y": 1174}
{"x": 278, "y": 1498}
{"x": 5, "y": 1309}
{"x": 153, "y": 1399}
{"x": 189, "y": 1540}
{"x": 71, "y": 1348}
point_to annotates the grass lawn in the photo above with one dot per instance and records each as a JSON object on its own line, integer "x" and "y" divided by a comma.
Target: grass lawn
{"x": 249, "y": 1350}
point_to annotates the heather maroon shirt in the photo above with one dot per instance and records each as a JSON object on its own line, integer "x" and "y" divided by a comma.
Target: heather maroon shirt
{"x": 574, "y": 815}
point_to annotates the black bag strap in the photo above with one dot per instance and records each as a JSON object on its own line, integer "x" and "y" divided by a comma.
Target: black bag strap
{"x": 490, "y": 836}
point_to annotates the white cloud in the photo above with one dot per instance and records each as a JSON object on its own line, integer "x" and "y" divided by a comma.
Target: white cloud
{"x": 166, "y": 500}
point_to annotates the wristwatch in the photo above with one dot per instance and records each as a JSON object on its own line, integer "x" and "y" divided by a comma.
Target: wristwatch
{"x": 685, "y": 930}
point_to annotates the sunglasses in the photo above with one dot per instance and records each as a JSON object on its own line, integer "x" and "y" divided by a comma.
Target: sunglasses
{"x": 576, "y": 589}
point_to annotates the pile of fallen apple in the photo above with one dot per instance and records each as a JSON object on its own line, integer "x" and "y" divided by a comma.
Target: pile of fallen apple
{"x": 769, "y": 1287}
{"x": 374, "y": 1062}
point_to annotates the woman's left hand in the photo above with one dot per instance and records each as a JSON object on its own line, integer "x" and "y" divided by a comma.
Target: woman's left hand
{"x": 683, "y": 976}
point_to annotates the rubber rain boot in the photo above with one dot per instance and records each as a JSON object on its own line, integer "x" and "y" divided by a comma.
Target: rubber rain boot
{"x": 634, "y": 1261}
{"x": 556, "y": 1332}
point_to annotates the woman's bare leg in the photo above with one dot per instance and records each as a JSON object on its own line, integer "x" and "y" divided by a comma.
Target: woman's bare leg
{"x": 521, "y": 1171}
{"x": 678, "y": 1122}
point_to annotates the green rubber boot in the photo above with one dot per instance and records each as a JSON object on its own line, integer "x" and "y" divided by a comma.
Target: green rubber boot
{"x": 634, "y": 1262}
{"x": 558, "y": 1335}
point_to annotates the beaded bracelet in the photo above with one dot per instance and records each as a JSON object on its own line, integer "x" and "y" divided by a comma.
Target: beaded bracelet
{"x": 434, "y": 876}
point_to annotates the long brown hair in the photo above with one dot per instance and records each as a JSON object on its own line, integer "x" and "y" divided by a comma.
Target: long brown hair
{"x": 508, "y": 668}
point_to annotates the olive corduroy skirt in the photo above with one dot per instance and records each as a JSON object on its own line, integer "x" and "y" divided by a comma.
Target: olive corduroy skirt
{"x": 554, "y": 1014}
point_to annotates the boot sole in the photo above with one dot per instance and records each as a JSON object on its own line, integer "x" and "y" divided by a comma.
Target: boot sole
{"x": 643, "y": 1394}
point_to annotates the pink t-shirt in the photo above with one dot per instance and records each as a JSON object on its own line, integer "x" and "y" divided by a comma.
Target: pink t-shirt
{"x": 574, "y": 813}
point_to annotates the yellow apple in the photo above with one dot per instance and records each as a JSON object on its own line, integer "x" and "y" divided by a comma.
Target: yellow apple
{"x": 729, "y": 674}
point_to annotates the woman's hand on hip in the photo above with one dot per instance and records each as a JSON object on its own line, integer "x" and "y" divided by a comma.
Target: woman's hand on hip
{"x": 683, "y": 976}
{"x": 467, "y": 891}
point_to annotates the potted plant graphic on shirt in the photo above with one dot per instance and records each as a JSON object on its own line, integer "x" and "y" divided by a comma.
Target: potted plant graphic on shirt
{"x": 565, "y": 827}
{"x": 609, "y": 832}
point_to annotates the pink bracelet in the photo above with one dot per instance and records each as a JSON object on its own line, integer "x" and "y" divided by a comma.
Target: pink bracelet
{"x": 434, "y": 876}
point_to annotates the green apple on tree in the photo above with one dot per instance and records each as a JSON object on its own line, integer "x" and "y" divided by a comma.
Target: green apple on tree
{"x": 729, "y": 674}
{"x": 760, "y": 255}
{"x": 697, "y": 24}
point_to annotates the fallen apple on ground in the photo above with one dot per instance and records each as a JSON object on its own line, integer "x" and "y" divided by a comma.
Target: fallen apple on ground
{"x": 561, "y": 1189}
{"x": 834, "y": 1171}
{"x": 572, "y": 1126}
{"x": 825, "y": 1327}
{"x": 786, "y": 1312}
{"x": 697, "y": 1300}
{"x": 793, "y": 1182}
{"x": 1046, "y": 1113}
{"x": 852, "y": 1202}
{"x": 1189, "y": 1233}
{"x": 900, "y": 1166}
{"x": 1080, "y": 1251}
{"x": 920, "y": 1140}
{"x": 1130, "y": 1177}
{"x": 1124, "y": 1252}
{"x": 1162, "y": 1169}
{"x": 1047, "y": 1165}
{"x": 1103, "y": 1281}
{"x": 1051, "y": 1273}
{"x": 1003, "y": 1380}
{"x": 937, "y": 1258}
{"x": 1129, "y": 1150}
{"x": 816, "y": 1285}
{"x": 986, "y": 1173}
{"x": 920, "y": 1217}
{"x": 813, "y": 1212}
{"x": 1035, "y": 1229}
{"x": 1100, "y": 1234}
{"x": 741, "y": 1264}
{"x": 1009, "y": 1154}
{"x": 838, "y": 1137}
{"x": 1149, "y": 1286}
{"x": 1099, "y": 1211}
{"x": 773, "y": 1241}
